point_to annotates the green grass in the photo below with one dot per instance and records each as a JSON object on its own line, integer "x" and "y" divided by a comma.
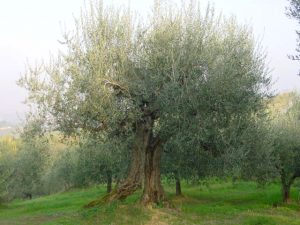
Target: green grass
{"x": 213, "y": 203}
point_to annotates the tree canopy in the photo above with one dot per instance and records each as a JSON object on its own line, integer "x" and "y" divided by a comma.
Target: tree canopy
{"x": 183, "y": 75}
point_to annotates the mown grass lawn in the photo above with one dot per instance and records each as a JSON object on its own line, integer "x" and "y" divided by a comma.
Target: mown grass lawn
{"x": 214, "y": 203}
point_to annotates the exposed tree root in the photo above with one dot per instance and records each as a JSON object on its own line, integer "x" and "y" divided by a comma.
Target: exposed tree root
{"x": 118, "y": 194}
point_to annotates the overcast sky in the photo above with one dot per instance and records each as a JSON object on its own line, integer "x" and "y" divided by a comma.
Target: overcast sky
{"x": 30, "y": 30}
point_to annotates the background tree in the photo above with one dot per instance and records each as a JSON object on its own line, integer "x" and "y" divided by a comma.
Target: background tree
{"x": 9, "y": 147}
{"x": 182, "y": 163}
{"x": 257, "y": 162}
{"x": 61, "y": 171}
{"x": 100, "y": 161}
{"x": 26, "y": 169}
{"x": 287, "y": 146}
{"x": 83, "y": 161}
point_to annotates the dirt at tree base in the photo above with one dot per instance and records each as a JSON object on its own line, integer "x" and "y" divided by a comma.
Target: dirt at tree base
{"x": 158, "y": 217}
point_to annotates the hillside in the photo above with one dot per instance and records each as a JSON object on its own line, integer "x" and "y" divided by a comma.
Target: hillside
{"x": 214, "y": 203}
{"x": 6, "y": 128}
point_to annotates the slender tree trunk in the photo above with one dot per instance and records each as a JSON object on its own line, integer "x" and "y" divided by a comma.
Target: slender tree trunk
{"x": 109, "y": 181}
{"x": 28, "y": 195}
{"x": 286, "y": 183}
{"x": 286, "y": 193}
{"x": 178, "y": 184}
{"x": 153, "y": 192}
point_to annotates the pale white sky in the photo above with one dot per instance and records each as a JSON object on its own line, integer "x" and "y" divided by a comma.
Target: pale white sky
{"x": 29, "y": 30}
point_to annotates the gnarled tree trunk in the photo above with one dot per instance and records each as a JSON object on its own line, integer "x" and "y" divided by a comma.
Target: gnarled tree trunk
{"x": 135, "y": 175}
{"x": 145, "y": 165}
{"x": 153, "y": 190}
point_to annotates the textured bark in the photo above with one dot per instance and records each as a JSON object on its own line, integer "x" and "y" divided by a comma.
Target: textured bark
{"x": 145, "y": 165}
{"x": 134, "y": 178}
{"x": 178, "y": 185}
{"x": 153, "y": 191}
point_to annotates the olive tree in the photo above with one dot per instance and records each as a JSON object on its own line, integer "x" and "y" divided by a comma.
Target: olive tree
{"x": 27, "y": 166}
{"x": 9, "y": 147}
{"x": 147, "y": 80}
{"x": 286, "y": 129}
{"x": 100, "y": 161}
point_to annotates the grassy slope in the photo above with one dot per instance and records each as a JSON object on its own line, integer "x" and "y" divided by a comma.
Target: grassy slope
{"x": 220, "y": 203}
